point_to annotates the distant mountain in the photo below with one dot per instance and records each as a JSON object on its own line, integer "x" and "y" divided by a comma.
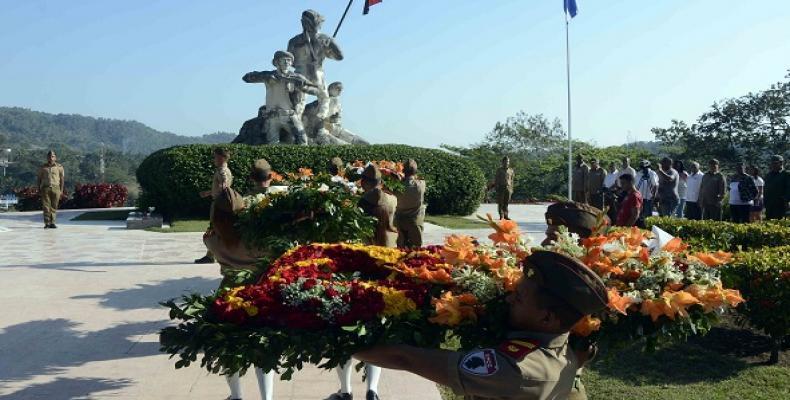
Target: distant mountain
{"x": 26, "y": 128}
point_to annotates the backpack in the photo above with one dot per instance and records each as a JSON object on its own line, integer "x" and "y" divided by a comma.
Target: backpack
{"x": 747, "y": 189}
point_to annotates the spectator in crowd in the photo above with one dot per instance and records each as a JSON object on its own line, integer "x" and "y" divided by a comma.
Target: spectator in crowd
{"x": 610, "y": 182}
{"x": 742, "y": 194}
{"x": 579, "y": 189}
{"x": 693, "y": 209}
{"x": 711, "y": 191}
{"x": 627, "y": 169}
{"x": 631, "y": 207}
{"x": 777, "y": 189}
{"x": 647, "y": 185}
{"x": 595, "y": 183}
{"x": 668, "y": 179}
{"x": 757, "y": 208}
{"x": 682, "y": 187}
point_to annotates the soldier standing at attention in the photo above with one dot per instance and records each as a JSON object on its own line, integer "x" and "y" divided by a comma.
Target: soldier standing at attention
{"x": 580, "y": 188}
{"x": 503, "y": 184}
{"x": 50, "y": 186}
{"x": 222, "y": 179}
{"x": 410, "y": 213}
{"x": 595, "y": 184}
{"x": 380, "y": 205}
{"x": 536, "y": 361}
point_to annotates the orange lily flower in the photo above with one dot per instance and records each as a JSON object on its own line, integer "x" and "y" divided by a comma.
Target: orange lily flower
{"x": 713, "y": 259}
{"x": 458, "y": 248}
{"x": 675, "y": 245}
{"x": 594, "y": 241}
{"x": 452, "y": 310}
{"x": 680, "y": 301}
{"x": 617, "y": 302}
{"x": 586, "y": 326}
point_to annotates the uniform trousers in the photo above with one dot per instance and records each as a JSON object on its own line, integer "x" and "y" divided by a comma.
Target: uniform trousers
{"x": 50, "y": 197}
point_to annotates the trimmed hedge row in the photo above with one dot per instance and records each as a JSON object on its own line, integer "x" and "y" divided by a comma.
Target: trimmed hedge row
{"x": 728, "y": 236}
{"x": 172, "y": 178}
{"x": 761, "y": 270}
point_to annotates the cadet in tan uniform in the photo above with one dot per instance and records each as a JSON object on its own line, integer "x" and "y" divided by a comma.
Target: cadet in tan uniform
{"x": 503, "y": 184}
{"x": 224, "y": 242}
{"x": 579, "y": 218}
{"x": 223, "y": 178}
{"x": 381, "y": 205}
{"x": 410, "y": 213}
{"x": 579, "y": 188}
{"x": 536, "y": 361}
{"x": 595, "y": 178}
{"x": 51, "y": 181}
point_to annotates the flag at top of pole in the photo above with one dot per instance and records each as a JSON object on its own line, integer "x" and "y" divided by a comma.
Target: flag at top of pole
{"x": 368, "y": 4}
{"x": 570, "y": 8}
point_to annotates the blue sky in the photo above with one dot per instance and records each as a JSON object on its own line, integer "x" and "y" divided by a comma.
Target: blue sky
{"x": 422, "y": 72}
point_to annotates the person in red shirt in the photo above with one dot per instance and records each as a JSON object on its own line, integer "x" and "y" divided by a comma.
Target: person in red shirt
{"x": 631, "y": 205}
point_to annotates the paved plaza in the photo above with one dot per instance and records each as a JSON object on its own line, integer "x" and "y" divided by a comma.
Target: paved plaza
{"x": 79, "y": 314}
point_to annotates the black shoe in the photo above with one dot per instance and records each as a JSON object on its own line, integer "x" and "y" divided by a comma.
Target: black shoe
{"x": 205, "y": 260}
{"x": 340, "y": 396}
{"x": 371, "y": 395}
{"x": 46, "y": 226}
{"x": 53, "y": 226}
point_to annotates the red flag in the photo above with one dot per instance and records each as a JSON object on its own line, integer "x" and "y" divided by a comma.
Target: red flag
{"x": 369, "y": 3}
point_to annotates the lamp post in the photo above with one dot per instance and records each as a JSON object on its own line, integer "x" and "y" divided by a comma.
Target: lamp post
{"x": 5, "y": 159}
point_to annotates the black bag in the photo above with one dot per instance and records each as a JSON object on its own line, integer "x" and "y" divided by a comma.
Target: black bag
{"x": 747, "y": 189}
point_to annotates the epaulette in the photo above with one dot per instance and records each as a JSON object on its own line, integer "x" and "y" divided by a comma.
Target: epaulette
{"x": 518, "y": 349}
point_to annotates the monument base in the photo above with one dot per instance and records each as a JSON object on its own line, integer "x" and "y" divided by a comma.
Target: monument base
{"x": 253, "y": 132}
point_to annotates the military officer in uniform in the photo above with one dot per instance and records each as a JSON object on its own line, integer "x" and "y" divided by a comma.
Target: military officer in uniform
{"x": 51, "y": 181}
{"x": 536, "y": 361}
{"x": 224, "y": 242}
{"x": 222, "y": 179}
{"x": 579, "y": 188}
{"x": 410, "y": 213}
{"x": 381, "y": 205}
{"x": 503, "y": 184}
{"x": 581, "y": 219}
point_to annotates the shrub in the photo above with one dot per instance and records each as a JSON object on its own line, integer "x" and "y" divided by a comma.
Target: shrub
{"x": 29, "y": 199}
{"x": 100, "y": 195}
{"x": 763, "y": 277}
{"x": 171, "y": 179}
{"x": 720, "y": 235}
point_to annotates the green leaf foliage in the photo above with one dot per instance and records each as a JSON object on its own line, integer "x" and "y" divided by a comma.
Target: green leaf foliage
{"x": 726, "y": 236}
{"x": 171, "y": 179}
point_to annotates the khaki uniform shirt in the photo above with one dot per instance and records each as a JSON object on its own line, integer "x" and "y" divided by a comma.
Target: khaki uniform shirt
{"x": 381, "y": 205}
{"x": 712, "y": 188}
{"x": 221, "y": 175}
{"x": 504, "y": 179}
{"x": 580, "y": 177}
{"x": 231, "y": 252}
{"x": 411, "y": 201}
{"x": 595, "y": 179}
{"x": 50, "y": 176}
{"x": 530, "y": 366}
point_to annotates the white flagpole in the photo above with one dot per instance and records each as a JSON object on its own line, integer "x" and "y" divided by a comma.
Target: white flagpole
{"x": 568, "y": 76}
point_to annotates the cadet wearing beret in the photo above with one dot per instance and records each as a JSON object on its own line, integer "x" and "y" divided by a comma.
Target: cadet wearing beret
{"x": 410, "y": 213}
{"x": 536, "y": 362}
{"x": 581, "y": 219}
{"x": 224, "y": 242}
{"x": 51, "y": 184}
{"x": 222, "y": 179}
{"x": 503, "y": 184}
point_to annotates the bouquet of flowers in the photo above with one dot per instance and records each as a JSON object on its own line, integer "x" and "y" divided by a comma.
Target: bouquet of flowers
{"x": 666, "y": 292}
{"x": 391, "y": 173}
{"x": 321, "y": 303}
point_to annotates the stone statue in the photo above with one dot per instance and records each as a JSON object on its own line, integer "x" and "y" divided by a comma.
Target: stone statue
{"x": 285, "y": 91}
{"x": 322, "y": 120}
{"x": 311, "y": 47}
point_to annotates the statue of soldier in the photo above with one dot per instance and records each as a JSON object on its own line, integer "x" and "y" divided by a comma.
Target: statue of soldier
{"x": 285, "y": 91}
{"x": 311, "y": 47}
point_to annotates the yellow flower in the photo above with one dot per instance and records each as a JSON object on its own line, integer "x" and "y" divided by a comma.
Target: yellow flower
{"x": 395, "y": 302}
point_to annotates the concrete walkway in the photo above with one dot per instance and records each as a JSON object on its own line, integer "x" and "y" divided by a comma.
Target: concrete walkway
{"x": 79, "y": 314}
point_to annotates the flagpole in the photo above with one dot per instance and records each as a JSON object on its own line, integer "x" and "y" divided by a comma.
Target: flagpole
{"x": 568, "y": 77}
{"x": 343, "y": 18}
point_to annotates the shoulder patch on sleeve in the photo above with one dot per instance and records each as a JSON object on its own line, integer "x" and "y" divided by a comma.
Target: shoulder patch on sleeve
{"x": 518, "y": 349}
{"x": 480, "y": 362}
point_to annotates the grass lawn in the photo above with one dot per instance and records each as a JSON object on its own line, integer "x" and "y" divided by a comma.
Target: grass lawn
{"x": 455, "y": 222}
{"x": 184, "y": 225}
{"x": 109, "y": 215}
{"x": 729, "y": 363}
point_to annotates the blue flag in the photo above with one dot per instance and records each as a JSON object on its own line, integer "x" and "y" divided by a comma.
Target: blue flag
{"x": 570, "y": 8}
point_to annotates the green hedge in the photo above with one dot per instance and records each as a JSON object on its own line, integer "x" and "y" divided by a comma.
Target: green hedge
{"x": 728, "y": 236}
{"x": 172, "y": 178}
{"x": 763, "y": 277}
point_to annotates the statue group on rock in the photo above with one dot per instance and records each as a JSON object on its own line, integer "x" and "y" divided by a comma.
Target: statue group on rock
{"x": 286, "y": 118}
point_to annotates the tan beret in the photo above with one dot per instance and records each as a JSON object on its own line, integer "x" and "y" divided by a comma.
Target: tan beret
{"x": 335, "y": 165}
{"x": 578, "y": 217}
{"x": 570, "y": 280}
{"x": 410, "y": 168}
{"x": 372, "y": 172}
{"x": 261, "y": 166}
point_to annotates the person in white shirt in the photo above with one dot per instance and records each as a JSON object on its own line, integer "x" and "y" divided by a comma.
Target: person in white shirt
{"x": 739, "y": 206}
{"x": 647, "y": 184}
{"x": 611, "y": 178}
{"x": 756, "y": 213}
{"x": 626, "y": 169}
{"x": 693, "y": 182}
